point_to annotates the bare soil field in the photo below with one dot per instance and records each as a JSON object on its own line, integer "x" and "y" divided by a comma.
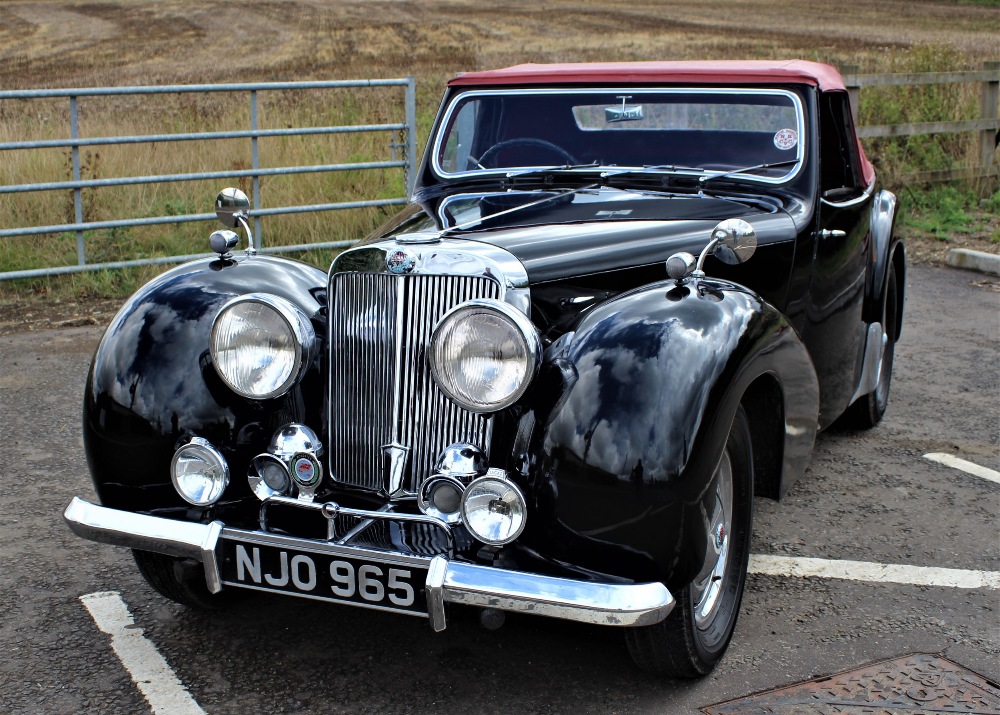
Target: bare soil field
{"x": 47, "y": 43}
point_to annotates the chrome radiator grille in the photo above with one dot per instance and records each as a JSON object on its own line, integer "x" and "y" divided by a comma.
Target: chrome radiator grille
{"x": 383, "y": 398}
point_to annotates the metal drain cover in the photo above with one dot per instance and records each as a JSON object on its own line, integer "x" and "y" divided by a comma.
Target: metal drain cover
{"x": 912, "y": 684}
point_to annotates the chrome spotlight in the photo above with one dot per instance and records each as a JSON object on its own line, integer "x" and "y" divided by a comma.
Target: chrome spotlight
{"x": 291, "y": 465}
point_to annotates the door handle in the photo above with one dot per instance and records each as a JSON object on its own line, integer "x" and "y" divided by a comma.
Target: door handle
{"x": 835, "y": 233}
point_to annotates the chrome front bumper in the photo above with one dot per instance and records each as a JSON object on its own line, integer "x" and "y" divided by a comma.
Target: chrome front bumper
{"x": 447, "y": 581}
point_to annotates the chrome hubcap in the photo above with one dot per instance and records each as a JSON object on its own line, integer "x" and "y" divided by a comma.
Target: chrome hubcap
{"x": 707, "y": 588}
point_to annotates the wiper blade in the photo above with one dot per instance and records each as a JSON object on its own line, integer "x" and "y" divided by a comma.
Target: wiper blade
{"x": 549, "y": 169}
{"x": 746, "y": 169}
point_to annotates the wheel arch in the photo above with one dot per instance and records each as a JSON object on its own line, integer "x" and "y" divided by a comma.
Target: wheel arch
{"x": 763, "y": 402}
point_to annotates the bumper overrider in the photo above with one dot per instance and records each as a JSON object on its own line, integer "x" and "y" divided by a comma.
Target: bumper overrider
{"x": 338, "y": 572}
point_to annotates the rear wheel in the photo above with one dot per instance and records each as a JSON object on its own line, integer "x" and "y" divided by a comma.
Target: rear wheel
{"x": 868, "y": 410}
{"x": 181, "y": 580}
{"x": 692, "y": 639}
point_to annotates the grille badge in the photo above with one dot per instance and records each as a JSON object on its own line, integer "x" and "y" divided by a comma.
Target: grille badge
{"x": 395, "y": 466}
{"x": 400, "y": 261}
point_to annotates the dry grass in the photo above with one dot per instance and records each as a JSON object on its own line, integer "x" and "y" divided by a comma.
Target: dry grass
{"x": 71, "y": 43}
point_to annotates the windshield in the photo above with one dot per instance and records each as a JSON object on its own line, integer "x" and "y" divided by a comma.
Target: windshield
{"x": 685, "y": 131}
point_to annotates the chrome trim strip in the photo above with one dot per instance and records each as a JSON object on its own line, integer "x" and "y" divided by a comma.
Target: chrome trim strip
{"x": 446, "y": 582}
{"x": 865, "y": 195}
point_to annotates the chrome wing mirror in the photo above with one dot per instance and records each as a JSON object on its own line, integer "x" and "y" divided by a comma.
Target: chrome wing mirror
{"x": 733, "y": 241}
{"x": 232, "y": 207}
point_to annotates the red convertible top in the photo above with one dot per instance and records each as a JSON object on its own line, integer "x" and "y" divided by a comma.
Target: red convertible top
{"x": 731, "y": 72}
{"x": 716, "y": 72}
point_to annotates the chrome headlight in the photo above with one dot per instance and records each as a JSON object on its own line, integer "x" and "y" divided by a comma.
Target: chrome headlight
{"x": 494, "y": 510}
{"x": 199, "y": 472}
{"x": 261, "y": 344}
{"x": 484, "y": 354}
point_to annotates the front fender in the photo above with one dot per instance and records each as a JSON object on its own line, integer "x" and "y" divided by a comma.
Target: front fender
{"x": 151, "y": 383}
{"x": 649, "y": 385}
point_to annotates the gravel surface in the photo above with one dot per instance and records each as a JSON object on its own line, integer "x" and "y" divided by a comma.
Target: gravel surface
{"x": 868, "y": 497}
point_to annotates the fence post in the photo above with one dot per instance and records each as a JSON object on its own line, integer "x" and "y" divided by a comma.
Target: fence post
{"x": 850, "y": 73}
{"x": 411, "y": 136}
{"x": 74, "y": 134}
{"x": 988, "y": 110}
{"x": 255, "y": 159}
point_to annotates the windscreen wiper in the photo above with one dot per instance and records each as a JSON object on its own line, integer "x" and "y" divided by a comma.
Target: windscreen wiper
{"x": 746, "y": 169}
{"x": 549, "y": 169}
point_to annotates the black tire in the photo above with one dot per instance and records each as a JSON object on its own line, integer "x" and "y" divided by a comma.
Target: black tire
{"x": 181, "y": 580}
{"x": 868, "y": 410}
{"x": 694, "y": 637}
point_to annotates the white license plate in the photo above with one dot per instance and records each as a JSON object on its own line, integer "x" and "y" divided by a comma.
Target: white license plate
{"x": 327, "y": 573}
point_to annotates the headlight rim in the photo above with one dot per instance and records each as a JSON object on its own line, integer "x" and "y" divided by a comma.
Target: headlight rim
{"x": 507, "y": 482}
{"x": 202, "y": 443}
{"x": 303, "y": 337}
{"x": 524, "y": 326}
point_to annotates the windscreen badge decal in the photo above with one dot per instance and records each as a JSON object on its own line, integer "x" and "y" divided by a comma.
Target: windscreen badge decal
{"x": 786, "y": 139}
{"x": 623, "y": 113}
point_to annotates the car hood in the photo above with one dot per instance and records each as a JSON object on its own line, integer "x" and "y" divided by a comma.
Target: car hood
{"x": 559, "y": 236}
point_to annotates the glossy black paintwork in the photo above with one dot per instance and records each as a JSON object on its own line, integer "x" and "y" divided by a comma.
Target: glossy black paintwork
{"x": 151, "y": 383}
{"x": 617, "y": 440}
{"x": 620, "y": 457}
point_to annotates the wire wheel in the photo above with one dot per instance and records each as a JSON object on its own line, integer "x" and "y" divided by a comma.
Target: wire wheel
{"x": 692, "y": 639}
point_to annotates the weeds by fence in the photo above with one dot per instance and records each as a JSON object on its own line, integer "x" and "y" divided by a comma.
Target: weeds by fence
{"x": 84, "y": 159}
{"x": 986, "y": 126}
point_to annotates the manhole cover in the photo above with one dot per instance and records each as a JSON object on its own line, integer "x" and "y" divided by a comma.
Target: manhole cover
{"x": 913, "y": 684}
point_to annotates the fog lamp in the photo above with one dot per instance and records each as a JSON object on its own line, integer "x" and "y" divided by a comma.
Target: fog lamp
{"x": 268, "y": 477}
{"x": 199, "y": 472}
{"x": 441, "y": 496}
{"x": 493, "y": 509}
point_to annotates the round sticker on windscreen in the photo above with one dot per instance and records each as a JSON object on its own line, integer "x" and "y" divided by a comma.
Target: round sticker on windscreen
{"x": 786, "y": 139}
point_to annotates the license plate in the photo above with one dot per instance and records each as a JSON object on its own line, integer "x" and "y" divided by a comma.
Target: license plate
{"x": 326, "y": 572}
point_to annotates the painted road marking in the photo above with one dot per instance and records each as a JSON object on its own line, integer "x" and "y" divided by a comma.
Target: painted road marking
{"x": 149, "y": 671}
{"x": 968, "y": 467}
{"x": 872, "y": 572}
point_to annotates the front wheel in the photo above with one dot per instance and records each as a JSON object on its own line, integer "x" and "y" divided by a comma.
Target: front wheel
{"x": 181, "y": 580}
{"x": 693, "y": 638}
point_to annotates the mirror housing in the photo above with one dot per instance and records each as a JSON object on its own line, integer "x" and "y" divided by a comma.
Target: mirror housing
{"x": 231, "y": 205}
{"x": 735, "y": 240}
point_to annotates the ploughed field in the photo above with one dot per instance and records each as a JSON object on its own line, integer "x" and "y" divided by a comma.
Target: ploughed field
{"x": 70, "y": 43}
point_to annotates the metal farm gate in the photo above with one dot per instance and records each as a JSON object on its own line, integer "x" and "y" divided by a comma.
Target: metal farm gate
{"x": 404, "y": 156}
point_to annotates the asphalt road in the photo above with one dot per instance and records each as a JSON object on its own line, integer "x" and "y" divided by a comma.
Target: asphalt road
{"x": 867, "y": 497}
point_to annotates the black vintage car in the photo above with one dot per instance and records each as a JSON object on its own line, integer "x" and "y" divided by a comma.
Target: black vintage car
{"x": 621, "y": 303}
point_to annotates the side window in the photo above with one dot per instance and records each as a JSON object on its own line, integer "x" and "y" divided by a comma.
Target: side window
{"x": 455, "y": 152}
{"x": 840, "y": 174}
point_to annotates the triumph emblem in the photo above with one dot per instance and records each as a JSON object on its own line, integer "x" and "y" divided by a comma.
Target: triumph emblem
{"x": 400, "y": 262}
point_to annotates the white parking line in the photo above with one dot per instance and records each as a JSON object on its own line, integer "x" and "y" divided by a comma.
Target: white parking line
{"x": 968, "y": 467}
{"x": 150, "y": 672}
{"x": 873, "y": 572}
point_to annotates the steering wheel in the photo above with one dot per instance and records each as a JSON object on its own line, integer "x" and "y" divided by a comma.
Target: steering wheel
{"x": 494, "y": 150}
